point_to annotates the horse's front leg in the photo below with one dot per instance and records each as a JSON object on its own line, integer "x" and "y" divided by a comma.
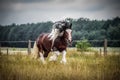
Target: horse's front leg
{"x": 63, "y": 57}
{"x": 54, "y": 56}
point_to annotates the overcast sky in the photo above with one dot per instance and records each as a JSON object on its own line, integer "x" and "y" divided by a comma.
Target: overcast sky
{"x": 33, "y": 11}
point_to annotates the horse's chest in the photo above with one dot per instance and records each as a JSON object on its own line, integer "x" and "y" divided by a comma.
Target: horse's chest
{"x": 60, "y": 46}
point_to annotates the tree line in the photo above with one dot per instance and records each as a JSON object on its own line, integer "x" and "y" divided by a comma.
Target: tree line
{"x": 83, "y": 28}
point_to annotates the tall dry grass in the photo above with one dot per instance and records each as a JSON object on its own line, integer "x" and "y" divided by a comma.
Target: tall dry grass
{"x": 78, "y": 67}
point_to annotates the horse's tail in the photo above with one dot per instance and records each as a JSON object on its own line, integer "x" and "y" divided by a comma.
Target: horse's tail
{"x": 35, "y": 51}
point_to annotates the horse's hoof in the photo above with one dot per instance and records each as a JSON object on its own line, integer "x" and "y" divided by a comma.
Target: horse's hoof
{"x": 63, "y": 62}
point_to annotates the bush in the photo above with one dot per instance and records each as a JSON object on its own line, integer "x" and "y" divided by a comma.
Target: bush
{"x": 83, "y": 45}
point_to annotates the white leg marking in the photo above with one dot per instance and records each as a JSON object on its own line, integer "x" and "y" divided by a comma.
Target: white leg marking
{"x": 54, "y": 57}
{"x": 42, "y": 58}
{"x": 63, "y": 57}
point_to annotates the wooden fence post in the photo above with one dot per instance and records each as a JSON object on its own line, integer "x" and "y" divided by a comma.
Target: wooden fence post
{"x": 100, "y": 51}
{"x": 7, "y": 51}
{"x": 105, "y": 47}
{"x": 29, "y": 47}
{"x": 0, "y": 49}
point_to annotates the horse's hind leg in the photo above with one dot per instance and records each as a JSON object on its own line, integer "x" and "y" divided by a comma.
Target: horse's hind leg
{"x": 42, "y": 57}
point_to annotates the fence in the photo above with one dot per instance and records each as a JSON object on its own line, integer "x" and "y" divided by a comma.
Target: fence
{"x": 29, "y": 44}
{"x": 104, "y": 43}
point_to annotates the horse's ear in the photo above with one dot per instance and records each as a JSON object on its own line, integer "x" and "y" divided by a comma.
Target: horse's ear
{"x": 70, "y": 25}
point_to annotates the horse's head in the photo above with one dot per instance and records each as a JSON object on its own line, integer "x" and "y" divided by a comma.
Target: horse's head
{"x": 68, "y": 35}
{"x": 68, "y": 32}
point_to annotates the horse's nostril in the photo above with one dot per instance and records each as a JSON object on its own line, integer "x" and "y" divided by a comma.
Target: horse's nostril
{"x": 70, "y": 41}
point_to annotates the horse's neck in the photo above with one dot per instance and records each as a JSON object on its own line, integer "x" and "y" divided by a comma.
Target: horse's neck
{"x": 62, "y": 39}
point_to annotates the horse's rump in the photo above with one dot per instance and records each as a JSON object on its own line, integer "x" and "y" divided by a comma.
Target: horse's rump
{"x": 44, "y": 43}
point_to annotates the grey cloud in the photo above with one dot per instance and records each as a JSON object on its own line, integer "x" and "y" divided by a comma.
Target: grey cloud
{"x": 42, "y": 10}
{"x": 23, "y": 1}
{"x": 113, "y": 1}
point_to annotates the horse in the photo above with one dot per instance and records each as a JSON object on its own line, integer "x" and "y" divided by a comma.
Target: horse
{"x": 43, "y": 46}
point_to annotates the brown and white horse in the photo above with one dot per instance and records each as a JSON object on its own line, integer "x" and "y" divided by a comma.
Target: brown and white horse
{"x": 43, "y": 45}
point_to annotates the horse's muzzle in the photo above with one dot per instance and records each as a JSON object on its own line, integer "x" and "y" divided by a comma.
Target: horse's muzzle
{"x": 69, "y": 42}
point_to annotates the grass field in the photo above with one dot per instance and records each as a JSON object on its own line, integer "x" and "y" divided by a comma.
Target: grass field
{"x": 78, "y": 67}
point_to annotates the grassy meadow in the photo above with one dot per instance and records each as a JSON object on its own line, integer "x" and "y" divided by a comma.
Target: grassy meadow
{"x": 79, "y": 67}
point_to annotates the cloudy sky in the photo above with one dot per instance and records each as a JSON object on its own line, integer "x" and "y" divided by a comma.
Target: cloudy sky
{"x": 33, "y": 11}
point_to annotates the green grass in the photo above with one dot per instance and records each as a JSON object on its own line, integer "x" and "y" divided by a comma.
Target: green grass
{"x": 78, "y": 67}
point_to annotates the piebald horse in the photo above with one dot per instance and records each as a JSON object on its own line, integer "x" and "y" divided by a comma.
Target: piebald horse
{"x": 43, "y": 45}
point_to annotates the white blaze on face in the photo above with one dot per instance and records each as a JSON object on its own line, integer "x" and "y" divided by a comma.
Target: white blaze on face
{"x": 69, "y": 31}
